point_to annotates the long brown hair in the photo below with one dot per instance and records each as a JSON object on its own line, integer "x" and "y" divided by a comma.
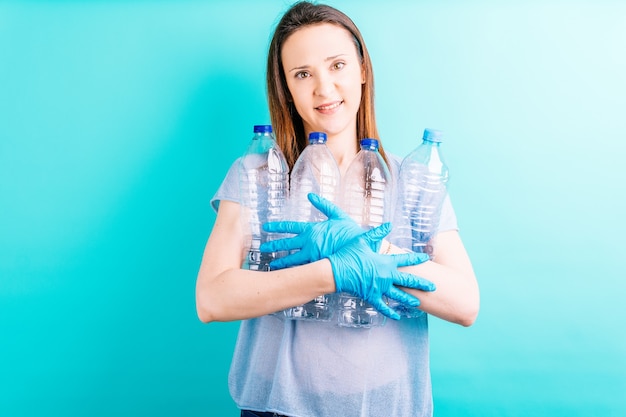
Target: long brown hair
{"x": 287, "y": 123}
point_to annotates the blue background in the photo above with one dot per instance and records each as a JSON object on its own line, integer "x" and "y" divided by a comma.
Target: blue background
{"x": 119, "y": 119}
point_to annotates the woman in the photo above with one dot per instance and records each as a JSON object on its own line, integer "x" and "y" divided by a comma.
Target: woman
{"x": 319, "y": 78}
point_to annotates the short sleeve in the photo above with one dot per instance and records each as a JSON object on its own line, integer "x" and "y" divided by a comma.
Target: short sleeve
{"x": 229, "y": 189}
{"x": 447, "y": 220}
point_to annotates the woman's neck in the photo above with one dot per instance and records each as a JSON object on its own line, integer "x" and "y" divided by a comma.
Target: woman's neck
{"x": 344, "y": 148}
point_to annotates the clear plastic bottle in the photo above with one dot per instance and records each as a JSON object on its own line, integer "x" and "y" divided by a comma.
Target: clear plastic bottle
{"x": 422, "y": 189}
{"x": 367, "y": 198}
{"x": 315, "y": 171}
{"x": 264, "y": 188}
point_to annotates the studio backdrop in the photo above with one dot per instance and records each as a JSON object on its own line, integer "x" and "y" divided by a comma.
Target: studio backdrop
{"x": 119, "y": 120}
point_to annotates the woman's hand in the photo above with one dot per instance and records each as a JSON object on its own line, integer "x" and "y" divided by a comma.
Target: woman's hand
{"x": 360, "y": 271}
{"x": 313, "y": 240}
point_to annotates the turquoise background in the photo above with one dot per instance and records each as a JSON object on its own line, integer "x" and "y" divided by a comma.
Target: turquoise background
{"x": 119, "y": 119}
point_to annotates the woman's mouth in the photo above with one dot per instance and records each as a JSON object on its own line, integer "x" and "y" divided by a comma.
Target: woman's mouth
{"x": 329, "y": 106}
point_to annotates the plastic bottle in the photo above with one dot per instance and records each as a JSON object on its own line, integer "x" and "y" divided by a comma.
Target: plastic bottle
{"x": 422, "y": 189}
{"x": 367, "y": 189}
{"x": 315, "y": 171}
{"x": 264, "y": 188}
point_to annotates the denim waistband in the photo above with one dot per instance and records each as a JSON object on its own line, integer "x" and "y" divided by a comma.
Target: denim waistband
{"x": 250, "y": 413}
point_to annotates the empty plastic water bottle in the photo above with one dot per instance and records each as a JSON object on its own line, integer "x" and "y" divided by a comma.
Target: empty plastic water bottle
{"x": 315, "y": 171}
{"x": 264, "y": 188}
{"x": 422, "y": 188}
{"x": 367, "y": 200}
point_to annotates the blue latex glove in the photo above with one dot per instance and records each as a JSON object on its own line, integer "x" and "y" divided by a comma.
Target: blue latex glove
{"x": 369, "y": 275}
{"x": 315, "y": 240}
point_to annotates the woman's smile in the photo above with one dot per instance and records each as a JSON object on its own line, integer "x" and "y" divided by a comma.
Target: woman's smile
{"x": 329, "y": 108}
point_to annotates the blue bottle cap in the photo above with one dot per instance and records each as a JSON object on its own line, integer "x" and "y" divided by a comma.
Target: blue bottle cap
{"x": 370, "y": 144}
{"x": 262, "y": 128}
{"x": 317, "y": 137}
{"x": 433, "y": 135}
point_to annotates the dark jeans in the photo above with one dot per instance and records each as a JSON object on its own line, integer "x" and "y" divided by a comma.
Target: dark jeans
{"x": 248, "y": 413}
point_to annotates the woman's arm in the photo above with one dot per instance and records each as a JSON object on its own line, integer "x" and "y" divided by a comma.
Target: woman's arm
{"x": 456, "y": 298}
{"x": 225, "y": 292}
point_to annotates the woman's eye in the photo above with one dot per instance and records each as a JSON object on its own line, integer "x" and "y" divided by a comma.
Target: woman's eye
{"x": 339, "y": 65}
{"x": 302, "y": 75}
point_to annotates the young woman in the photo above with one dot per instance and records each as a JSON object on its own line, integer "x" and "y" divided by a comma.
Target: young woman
{"x": 319, "y": 78}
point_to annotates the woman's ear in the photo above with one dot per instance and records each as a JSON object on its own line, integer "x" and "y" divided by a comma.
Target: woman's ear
{"x": 362, "y": 74}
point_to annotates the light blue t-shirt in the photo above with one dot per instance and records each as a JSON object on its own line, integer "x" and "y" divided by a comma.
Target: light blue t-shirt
{"x": 317, "y": 369}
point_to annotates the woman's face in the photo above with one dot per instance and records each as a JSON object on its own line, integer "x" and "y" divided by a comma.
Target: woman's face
{"x": 324, "y": 76}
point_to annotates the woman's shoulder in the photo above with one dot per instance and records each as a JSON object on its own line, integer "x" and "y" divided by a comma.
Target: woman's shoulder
{"x": 229, "y": 188}
{"x": 393, "y": 158}
{"x": 393, "y": 162}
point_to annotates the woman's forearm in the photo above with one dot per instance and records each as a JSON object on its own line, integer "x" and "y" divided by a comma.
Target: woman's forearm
{"x": 238, "y": 294}
{"x": 456, "y": 298}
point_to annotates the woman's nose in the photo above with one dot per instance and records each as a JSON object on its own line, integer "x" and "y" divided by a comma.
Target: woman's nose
{"x": 324, "y": 85}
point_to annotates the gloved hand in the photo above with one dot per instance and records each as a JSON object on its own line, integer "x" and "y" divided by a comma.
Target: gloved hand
{"x": 362, "y": 272}
{"x": 315, "y": 240}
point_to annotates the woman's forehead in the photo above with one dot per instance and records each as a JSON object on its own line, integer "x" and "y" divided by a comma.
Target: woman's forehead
{"x": 318, "y": 41}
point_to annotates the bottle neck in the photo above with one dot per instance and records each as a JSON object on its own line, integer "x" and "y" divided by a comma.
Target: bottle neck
{"x": 370, "y": 148}
{"x": 431, "y": 143}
